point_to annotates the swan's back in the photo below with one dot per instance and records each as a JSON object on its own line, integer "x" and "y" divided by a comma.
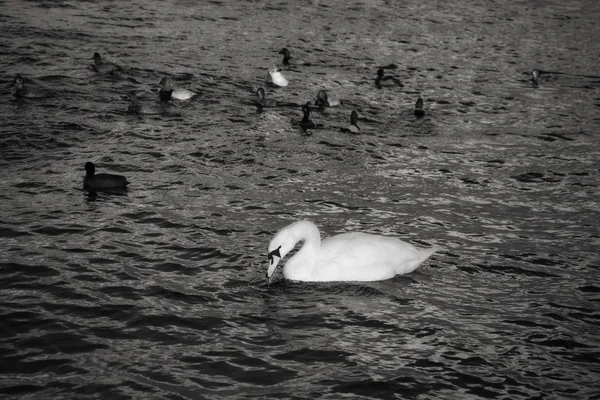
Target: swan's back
{"x": 365, "y": 257}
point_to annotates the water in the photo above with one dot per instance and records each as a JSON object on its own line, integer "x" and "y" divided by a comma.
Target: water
{"x": 161, "y": 293}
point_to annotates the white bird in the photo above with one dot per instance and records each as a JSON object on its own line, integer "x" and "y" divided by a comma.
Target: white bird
{"x": 276, "y": 78}
{"x": 346, "y": 257}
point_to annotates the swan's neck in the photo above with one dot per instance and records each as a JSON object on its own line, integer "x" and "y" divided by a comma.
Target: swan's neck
{"x": 304, "y": 260}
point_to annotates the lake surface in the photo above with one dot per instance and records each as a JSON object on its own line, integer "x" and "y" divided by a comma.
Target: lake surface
{"x": 161, "y": 293}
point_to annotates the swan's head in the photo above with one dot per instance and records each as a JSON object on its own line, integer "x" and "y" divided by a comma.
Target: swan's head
{"x": 281, "y": 244}
{"x": 274, "y": 257}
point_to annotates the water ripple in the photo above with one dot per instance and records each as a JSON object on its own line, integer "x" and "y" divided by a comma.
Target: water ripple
{"x": 160, "y": 292}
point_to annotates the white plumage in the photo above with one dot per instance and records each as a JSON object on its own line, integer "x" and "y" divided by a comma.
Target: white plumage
{"x": 276, "y": 78}
{"x": 346, "y": 257}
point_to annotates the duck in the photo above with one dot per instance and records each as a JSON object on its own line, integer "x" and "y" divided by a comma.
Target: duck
{"x": 381, "y": 78}
{"x": 348, "y": 257}
{"x": 167, "y": 92}
{"x": 95, "y": 182}
{"x": 305, "y": 122}
{"x": 535, "y": 76}
{"x": 288, "y": 60}
{"x": 138, "y": 108}
{"x": 418, "y": 111}
{"x": 261, "y": 101}
{"x": 276, "y": 78}
{"x": 22, "y": 91}
{"x": 104, "y": 67}
{"x": 323, "y": 100}
{"x": 353, "y": 127}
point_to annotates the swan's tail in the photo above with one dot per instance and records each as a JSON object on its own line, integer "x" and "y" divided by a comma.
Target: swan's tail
{"x": 411, "y": 265}
{"x": 426, "y": 253}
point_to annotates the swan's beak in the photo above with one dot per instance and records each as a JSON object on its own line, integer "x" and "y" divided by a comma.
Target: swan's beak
{"x": 272, "y": 266}
{"x": 274, "y": 257}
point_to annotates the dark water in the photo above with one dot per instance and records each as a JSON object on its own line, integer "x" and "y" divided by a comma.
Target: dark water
{"x": 161, "y": 293}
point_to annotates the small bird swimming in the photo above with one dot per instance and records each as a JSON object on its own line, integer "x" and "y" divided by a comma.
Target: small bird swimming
{"x": 535, "y": 76}
{"x": 22, "y": 91}
{"x": 261, "y": 101}
{"x": 323, "y": 100}
{"x": 289, "y": 60}
{"x": 418, "y": 111}
{"x": 138, "y": 108}
{"x": 381, "y": 78}
{"x": 305, "y": 122}
{"x": 353, "y": 127}
{"x": 276, "y": 78}
{"x": 167, "y": 92}
{"x": 104, "y": 67}
{"x": 100, "y": 182}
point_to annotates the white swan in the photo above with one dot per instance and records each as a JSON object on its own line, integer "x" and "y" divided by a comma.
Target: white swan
{"x": 346, "y": 257}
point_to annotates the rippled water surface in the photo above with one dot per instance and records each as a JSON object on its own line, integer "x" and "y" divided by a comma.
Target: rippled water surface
{"x": 160, "y": 292}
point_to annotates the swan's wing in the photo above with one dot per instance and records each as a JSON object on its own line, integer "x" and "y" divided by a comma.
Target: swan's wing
{"x": 364, "y": 257}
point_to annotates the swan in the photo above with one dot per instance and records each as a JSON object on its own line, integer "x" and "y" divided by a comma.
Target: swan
{"x": 351, "y": 256}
